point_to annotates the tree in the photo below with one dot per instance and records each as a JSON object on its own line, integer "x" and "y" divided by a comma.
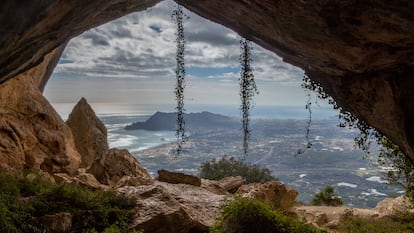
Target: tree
{"x": 224, "y": 167}
{"x": 327, "y": 197}
{"x": 178, "y": 15}
{"x": 247, "y": 90}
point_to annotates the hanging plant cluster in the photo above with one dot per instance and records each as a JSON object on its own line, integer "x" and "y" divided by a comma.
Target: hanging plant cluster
{"x": 178, "y": 15}
{"x": 307, "y": 82}
{"x": 248, "y": 89}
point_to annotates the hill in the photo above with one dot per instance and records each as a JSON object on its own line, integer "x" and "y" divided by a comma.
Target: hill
{"x": 193, "y": 121}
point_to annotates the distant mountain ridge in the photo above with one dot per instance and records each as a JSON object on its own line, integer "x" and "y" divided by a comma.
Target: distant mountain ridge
{"x": 167, "y": 121}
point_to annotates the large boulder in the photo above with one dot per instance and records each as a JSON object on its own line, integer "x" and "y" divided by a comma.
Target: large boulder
{"x": 89, "y": 132}
{"x": 178, "y": 178}
{"x": 213, "y": 186}
{"x": 231, "y": 183}
{"x": 157, "y": 211}
{"x": 32, "y": 134}
{"x": 224, "y": 186}
{"x": 395, "y": 206}
{"x": 201, "y": 205}
{"x": 115, "y": 165}
{"x": 165, "y": 207}
{"x": 274, "y": 193}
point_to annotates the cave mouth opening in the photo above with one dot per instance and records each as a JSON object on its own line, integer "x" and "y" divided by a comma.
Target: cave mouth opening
{"x": 125, "y": 69}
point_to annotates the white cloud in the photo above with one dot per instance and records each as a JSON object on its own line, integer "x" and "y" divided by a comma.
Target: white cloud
{"x": 139, "y": 49}
{"x": 142, "y": 45}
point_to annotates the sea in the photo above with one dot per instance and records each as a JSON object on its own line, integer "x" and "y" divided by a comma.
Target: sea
{"x": 116, "y": 116}
{"x": 137, "y": 140}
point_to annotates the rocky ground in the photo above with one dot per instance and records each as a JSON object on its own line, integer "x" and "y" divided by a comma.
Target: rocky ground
{"x": 329, "y": 217}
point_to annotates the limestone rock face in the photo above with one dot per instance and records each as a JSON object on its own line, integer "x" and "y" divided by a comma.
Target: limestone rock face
{"x": 32, "y": 134}
{"x": 274, "y": 193}
{"x": 89, "y": 133}
{"x": 165, "y": 207}
{"x": 178, "y": 178}
{"x": 116, "y": 164}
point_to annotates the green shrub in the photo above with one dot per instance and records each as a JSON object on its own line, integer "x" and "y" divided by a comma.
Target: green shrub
{"x": 327, "y": 197}
{"x": 402, "y": 223}
{"x": 22, "y": 200}
{"x": 224, "y": 167}
{"x": 254, "y": 216}
{"x": 114, "y": 229}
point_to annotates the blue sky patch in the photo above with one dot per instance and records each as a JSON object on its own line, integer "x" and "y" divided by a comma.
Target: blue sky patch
{"x": 155, "y": 28}
{"x": 65, "y": 61}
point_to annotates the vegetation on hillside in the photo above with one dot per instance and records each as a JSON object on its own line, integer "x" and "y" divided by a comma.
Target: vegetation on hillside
{"x": 224, "y": 167}
{"x": 403, "y": 223}
{"x": 254, "y": 216}
{"x": 327, "y": 197}
{"x": 23, "y": 201}
{"x": 389, "y": 155}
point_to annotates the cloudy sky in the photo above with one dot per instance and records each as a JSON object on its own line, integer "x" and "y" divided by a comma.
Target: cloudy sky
{"x": 131, "y": 60}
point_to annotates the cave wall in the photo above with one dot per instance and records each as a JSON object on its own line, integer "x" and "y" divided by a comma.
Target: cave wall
{"x": 361, "y": 51}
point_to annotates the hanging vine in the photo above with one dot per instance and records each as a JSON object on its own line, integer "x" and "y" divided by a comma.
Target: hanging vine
{"x": 178, "y": 15}
{"x": 308, "y": 123}
{"x": 248, "y": 89}
{"x": 306, "y": 82}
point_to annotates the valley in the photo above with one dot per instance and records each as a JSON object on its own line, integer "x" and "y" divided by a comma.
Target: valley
{"x": 280, "y": 145}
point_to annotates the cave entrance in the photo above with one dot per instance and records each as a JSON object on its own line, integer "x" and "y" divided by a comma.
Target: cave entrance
{"x": 125, "y": 69}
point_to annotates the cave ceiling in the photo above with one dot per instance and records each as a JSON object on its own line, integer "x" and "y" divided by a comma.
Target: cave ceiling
{"x": 361, "y": 52}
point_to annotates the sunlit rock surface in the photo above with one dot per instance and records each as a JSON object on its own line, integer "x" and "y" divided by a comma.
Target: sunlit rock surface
{"x": 273, "y": 192}
{"x": 32, "y": 134}
{"x": 116, "y": 164}
{"x": 164, "y": 207}
{"x": 90, "y": 134}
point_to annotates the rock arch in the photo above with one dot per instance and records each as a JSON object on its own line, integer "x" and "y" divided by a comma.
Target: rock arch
{"x": 362, "y": 52}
